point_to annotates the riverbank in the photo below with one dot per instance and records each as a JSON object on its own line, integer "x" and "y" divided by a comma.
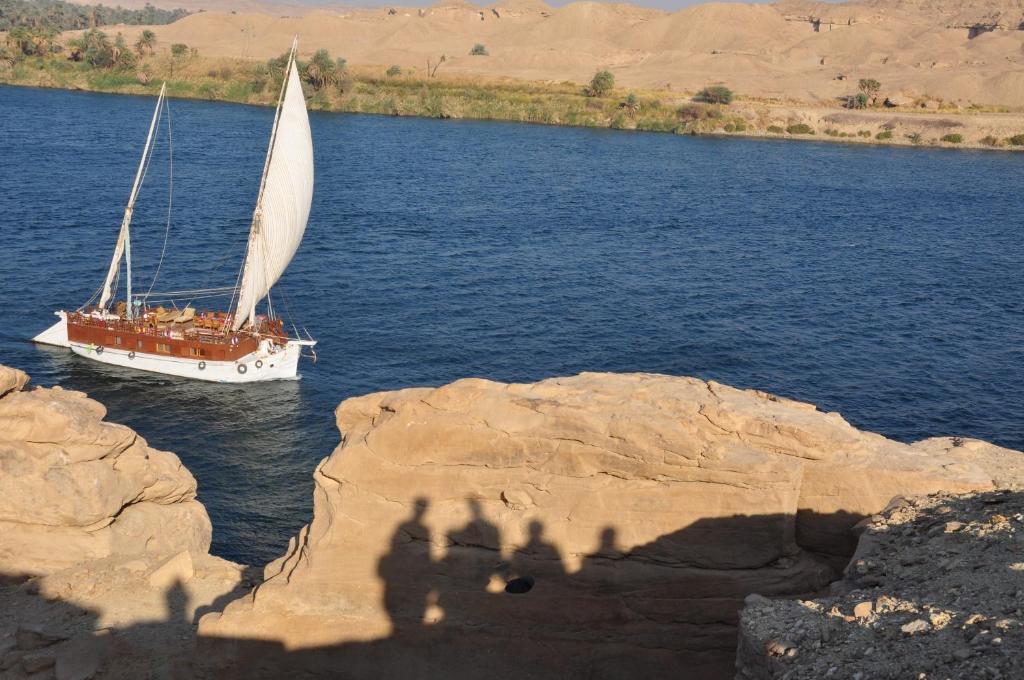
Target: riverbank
{"x": 368, "y": 89}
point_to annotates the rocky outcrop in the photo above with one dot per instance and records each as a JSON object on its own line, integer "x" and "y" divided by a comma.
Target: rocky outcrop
{"x": 594, "y": 526}
{"x": 936, "y": 589}
{"x": 74, "y": 488}
{"x": 103, "y": 546}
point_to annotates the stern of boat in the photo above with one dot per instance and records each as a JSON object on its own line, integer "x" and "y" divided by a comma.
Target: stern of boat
{"x": 57, "y": 334}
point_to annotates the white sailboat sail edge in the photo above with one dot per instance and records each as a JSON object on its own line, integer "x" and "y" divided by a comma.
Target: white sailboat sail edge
{"x": 282, "y": 211}
{"x": 124, "y": 238}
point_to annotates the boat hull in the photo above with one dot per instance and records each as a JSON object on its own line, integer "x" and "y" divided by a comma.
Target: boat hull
{"x": 265, "y": 364}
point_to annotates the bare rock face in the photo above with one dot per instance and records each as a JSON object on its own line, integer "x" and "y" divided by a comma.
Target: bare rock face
{"x": 936, "y": 589}
{"x": 595, "y": 526}
{"x": 74, "y": 488}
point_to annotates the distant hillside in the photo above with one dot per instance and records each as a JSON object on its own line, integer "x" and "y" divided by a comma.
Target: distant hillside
{"x": 67, "y": 16}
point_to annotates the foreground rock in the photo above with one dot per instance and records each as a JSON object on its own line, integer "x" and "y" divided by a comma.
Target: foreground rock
{"x": 74, "y": 488}
{"x": 103, "y": 546}
{"x": 936, "y": 590}
{"x": 594, "y": 526}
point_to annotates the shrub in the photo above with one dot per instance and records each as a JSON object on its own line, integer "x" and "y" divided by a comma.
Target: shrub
{"x": 601, "y": 84}
{"x": 729, "y": 127}
{"x": 179, "y": 49}
{"x": 870, "y": 88}
{"x": 775, "y": 129}
{"x": 694, "y": 112}
{"x": 989, "y": 140}
{"x": 9, "y": 57}
{"x": 800, "y": 129}
{"x": 953, "y": 138}
{"x": 478, "y": 50}
{"x": 856, "y": 101}
{"x": 1016, "y": 140}
{"x": 716, "y": 94}
{"x": 146, "y": 41}
{"x": 631, "y": 106}
{"x": 394, "y": 71}
{"x": 864, "y": 133}
{"x": 915, "y": 137}
{"x": 322, "y": 71}
{"x": 884, "y": 134}
{"x": 832, "y": 132}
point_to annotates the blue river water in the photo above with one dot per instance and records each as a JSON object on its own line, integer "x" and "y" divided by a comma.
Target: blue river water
{"x": 886, "y": 284}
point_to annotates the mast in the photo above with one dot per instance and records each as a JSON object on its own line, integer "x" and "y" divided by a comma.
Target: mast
{"x": 124, "y": 243}
{"x": 257, "y": 215}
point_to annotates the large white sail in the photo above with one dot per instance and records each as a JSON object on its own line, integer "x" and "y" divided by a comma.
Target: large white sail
{"x": 124, "y": 244}
{"x": 282, "y": 208}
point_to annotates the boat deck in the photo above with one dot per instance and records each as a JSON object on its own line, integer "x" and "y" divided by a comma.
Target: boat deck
{"x": 200, "y": 336}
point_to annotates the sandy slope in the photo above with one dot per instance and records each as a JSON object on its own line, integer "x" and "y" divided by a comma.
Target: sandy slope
{"x": 914, "y": 47}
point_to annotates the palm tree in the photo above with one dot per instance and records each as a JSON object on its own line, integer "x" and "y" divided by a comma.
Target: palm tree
{"x": 321, "y": 71}
{"x": 42, "y": 37}
{"x": 146, "y": 41}
{"x": 20, "y": 39}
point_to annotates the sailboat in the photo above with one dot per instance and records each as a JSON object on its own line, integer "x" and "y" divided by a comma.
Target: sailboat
{"x": 233, "y": 346}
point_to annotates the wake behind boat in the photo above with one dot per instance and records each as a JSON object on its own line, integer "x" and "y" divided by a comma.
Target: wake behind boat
{"x": 234, "y": 346}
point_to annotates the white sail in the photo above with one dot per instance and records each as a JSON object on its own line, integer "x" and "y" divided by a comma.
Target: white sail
{"x": 282, "y": 208}
{"x": 123, "y": 237}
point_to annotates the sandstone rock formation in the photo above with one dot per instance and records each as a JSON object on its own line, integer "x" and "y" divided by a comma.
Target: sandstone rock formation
{"x": 74, "y": 488}
{"x": 103, "y": 546}
{"x": 936, "y": 590}
{"x": 594, "y": 526}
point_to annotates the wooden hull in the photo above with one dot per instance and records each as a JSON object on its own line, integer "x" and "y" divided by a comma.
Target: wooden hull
{"x": 267, "y": 362}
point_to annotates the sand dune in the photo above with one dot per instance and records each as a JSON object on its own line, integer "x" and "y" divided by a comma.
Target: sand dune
{"x": 914, "y": 47}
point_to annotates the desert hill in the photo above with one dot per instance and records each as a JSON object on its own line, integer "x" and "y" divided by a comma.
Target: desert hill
{"x": 966, "y": 53}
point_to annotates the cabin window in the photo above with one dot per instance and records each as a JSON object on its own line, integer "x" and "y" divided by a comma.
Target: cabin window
{"x": 117, "y": 340}
{"x": 197, "y": 351}
{"x": 163, "y": 347}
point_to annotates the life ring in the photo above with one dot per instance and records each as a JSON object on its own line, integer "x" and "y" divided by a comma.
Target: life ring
{"x": 202, "y": 366}
{"x": 259, "y": 363}
{"x": 131, "y": 355}
{"x": 99, "y": 349}
{"x": 242, "y": 368}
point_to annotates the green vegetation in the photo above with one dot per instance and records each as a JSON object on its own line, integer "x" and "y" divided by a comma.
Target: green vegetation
{"x": 800, "y": 129}
{"x": 884, "y": 135}
{"x": 716, "y": 94}
{"x": 1016, "y": 140}
{"x": 322, "y": 71}
{"x": 146, "y": 42}
{"x": 867, "y": 96}
{"x": 869, "y": 87}
{"x": 864, "y": 133}
{"x": 96, "y": 61}
{"x": 57, "y": 15}
{"x": 915, "y": 138}
{"x": 631, "y": 106}
{"x": 953, "y": 138}
{"x": 478, "y": 50}
{"x": 989, "y": 140}
{"x": 95, "y": 49}
{"x": 601, "y": 84}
